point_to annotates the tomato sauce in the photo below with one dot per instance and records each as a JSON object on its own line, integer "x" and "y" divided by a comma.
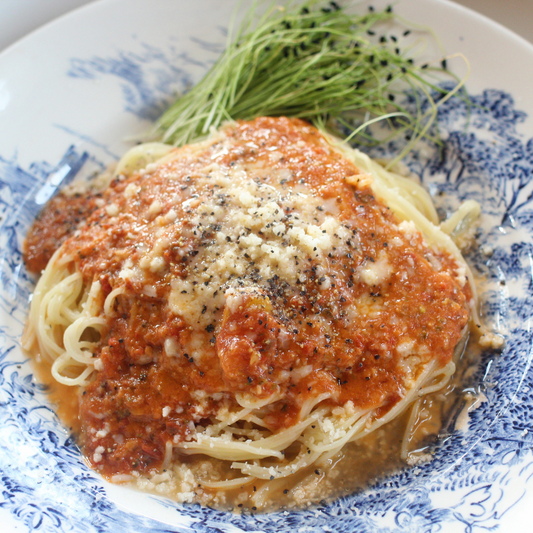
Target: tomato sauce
{"x": 358, "y": 340}
{"x": 62, "y": 215}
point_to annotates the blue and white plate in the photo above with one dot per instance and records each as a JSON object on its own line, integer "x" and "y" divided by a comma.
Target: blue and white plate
{"x": 73, "y": 93}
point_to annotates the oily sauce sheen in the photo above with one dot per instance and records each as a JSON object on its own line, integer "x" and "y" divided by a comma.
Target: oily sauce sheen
{"x": 346, "y": 319}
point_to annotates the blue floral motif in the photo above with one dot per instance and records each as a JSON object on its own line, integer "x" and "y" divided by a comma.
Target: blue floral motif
{"x": 148, "y": 77}
{"x": 475, "y": 477}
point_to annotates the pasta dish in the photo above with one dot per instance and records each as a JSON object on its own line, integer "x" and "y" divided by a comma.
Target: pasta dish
{"x": 235, "y": 311}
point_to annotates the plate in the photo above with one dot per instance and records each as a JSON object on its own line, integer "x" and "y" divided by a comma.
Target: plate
{"x": 74, "y": 94}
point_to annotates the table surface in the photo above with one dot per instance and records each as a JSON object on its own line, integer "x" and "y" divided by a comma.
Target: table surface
{"x": 20, "y": 17}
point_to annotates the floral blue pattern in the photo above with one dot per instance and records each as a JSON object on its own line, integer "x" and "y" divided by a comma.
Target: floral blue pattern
{"x": 44, "y": 482}
{"x": 147, "y": 78}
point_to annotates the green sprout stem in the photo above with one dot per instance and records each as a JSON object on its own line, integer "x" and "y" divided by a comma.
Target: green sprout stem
{"x": 314, "y": 61}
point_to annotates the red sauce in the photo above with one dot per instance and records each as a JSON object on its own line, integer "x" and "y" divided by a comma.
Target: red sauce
{"x": 62, "y": 215}
{"x": 257, "y": 347}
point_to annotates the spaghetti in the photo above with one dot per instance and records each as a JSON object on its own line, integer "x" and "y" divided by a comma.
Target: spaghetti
{"x": 261, "y": 298}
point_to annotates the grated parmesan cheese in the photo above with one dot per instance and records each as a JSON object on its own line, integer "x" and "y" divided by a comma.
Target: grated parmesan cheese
{"x": 268, "y": 226}
{"x": 378, "y": 272}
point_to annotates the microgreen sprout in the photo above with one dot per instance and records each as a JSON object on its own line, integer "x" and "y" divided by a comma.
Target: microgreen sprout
{"x": 315, "y": 61}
